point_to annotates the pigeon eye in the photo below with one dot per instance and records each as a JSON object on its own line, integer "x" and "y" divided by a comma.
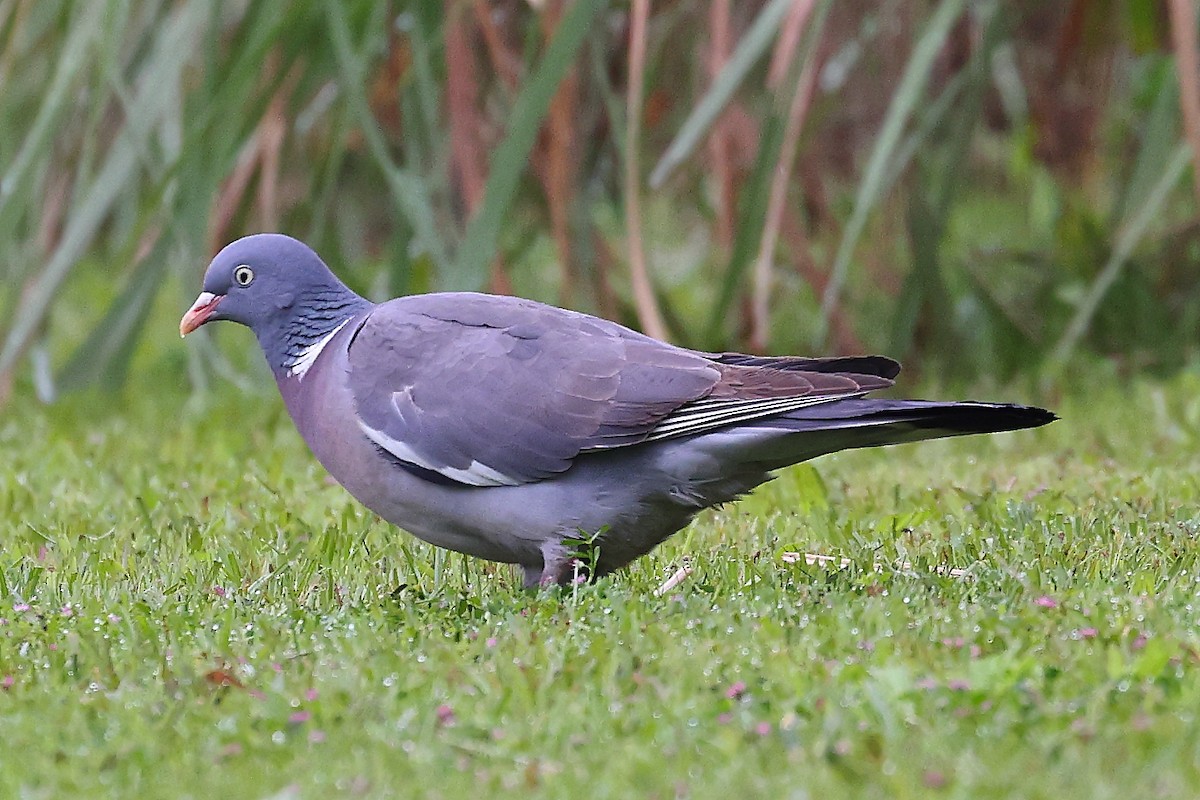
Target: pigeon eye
{"x": 243, "y": 275}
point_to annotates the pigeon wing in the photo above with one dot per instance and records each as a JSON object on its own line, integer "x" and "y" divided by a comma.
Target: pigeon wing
{"x": 492, "y": 391}
{"x": 483, "y": 390}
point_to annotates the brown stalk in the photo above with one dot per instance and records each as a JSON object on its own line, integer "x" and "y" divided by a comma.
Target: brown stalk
{"x": 229, "y": 198}
{"x": 467, "y": 148}
{"x": 845, "y": 340}
{"x": 643, "y": 290}
{"x": 54, "y": 205}
{"x": 462, "y": 101}
{"x": 606, "y": 260}
{"x": 261, "y": 151}
{"x": 786, "y": 44}
{"x": 797, "y": 111}
{"x": 720, "y": 141}
{"x": 272, "y": 132}
{"x": 271, "y": 142}
{"x": 505, "y": 62}
{"x": 558, "y": 148}
{"x": 1187, "y": 64}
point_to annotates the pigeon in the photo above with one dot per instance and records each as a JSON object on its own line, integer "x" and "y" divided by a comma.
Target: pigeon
{"x": 522, "y": 433}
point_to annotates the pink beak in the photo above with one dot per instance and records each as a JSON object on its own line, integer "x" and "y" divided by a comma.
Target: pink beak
{"x": 199, "y": 313}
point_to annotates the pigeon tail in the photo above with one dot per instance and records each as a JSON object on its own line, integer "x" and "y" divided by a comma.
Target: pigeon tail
{"x": 848, "y": 424}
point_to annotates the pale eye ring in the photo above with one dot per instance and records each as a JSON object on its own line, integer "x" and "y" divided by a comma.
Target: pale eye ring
{"x": 243, "y": 275}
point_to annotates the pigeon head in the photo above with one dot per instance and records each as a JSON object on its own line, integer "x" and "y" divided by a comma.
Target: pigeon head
{"x": 280, "y": 289}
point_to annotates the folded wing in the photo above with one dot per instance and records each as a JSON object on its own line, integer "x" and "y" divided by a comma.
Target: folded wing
{"x": 494, "y": 391}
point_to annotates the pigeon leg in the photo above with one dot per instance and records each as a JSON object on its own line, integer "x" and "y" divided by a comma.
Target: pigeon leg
{"x": 561, "y": 565}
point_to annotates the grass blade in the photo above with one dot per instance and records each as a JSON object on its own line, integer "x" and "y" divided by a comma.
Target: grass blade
{"x": 511, "y": 156}
{"x": 649, "y": 315}
{"x": 104, "y": 357}
{"x": 1128, "y": 236}
{"x": 903, "y": 103}
{"x": 752, "y": 212}
{"x": 160, "y": 81}
{"x": 750, "y": 49}
{"x": 71, "y": 62}
{"x": 408, "y": 191}
{"x": 1187, "y": 63}
{"x": 801, "y": 91}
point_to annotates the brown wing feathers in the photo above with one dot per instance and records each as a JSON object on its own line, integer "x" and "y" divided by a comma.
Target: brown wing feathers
{"x": 755, "y": 382}
{"x": 748, "y": 392}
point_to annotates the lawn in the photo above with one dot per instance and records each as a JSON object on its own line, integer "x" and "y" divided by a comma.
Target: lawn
{"x": 190, "y": 609}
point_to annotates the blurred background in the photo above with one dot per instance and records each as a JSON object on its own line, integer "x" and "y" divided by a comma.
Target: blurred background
{"x": 991, "y": 191}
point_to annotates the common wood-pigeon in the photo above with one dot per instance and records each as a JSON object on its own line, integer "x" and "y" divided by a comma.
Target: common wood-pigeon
{"x": 519, "y": 432}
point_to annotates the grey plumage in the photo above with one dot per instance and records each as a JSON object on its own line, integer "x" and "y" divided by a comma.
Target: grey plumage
{"x": 508, "y": 429}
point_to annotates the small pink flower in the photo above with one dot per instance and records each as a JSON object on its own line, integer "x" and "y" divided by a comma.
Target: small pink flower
{"x": 114, "y": 619}
{"x": 736, "y": 691}
{"x": 67, "y": 610}
{"x": 7, "y": 682}
{"x": 1087, "y": 633}
{"x": 1139, "y": 642}
{"x": 976, "y": 651}
{"x": 763, "y": 729}
{"x": 275, "y": 665}
{"x": 21, "y": 607}
{"x": 316, "y": 736}
{"x": 957, "y": 685}
{"x": 725, "y": 718}
{"x": 219, "y": 591}
{"x": 955, "y": 642}
{"x": 491, "y": 641}
{"x": 1045, "y": 601}
{"x": 300, "y": 717}
{"x": 3, "y": 621}
{"x": 934, "y": 779}
{"x": 927, "y": 683}
{"x": 445, "y": 715}
{"x": 310, "y": 695}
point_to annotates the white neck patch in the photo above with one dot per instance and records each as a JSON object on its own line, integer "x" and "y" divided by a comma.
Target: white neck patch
{"x": 308, "y": 356}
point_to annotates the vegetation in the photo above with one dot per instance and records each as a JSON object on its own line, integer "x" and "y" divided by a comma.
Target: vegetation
{"x": 1000, "y": 181}
{"x": 190, "y": 609}
{"x": 995, "y": 192}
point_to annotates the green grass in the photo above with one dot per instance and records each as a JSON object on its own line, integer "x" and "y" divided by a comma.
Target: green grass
{"x": 147, "y": 553}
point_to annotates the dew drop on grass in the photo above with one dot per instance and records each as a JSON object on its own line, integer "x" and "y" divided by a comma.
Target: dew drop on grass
{"x": 278, "y": 737}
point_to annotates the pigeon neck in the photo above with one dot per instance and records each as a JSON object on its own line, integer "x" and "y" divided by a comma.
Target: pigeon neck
{"x": 293, "y": 346}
